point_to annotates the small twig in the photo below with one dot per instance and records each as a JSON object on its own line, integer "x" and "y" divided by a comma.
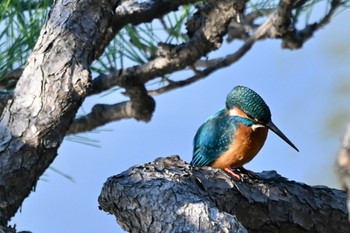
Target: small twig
{"x": 221, "y": 62}
{"x": 100, "y": 115}
{"x": 294, "y": 39}
{"x": 140, "y": 107}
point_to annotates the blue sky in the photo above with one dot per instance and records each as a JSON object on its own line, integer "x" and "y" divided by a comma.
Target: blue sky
{"x": 301, "y": 87}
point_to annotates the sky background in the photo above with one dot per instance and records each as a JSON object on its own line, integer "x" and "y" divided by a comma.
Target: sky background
{"x": 307, "y": 91}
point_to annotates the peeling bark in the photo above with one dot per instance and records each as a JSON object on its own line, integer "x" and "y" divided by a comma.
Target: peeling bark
{"x": 168, "y": 195}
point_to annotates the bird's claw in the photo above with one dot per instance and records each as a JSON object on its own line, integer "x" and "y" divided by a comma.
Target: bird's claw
{"x": 241, "y": 173}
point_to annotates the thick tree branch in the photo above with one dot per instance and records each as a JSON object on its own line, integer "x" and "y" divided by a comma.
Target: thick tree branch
{"x": 169, "y": 194}
{"x": 47, "y": 96}
{"x": 206, "y": 38}
{"x": 141, "y": 106}
{"x": 100, "y": 115}
{"x": 136, "y": 12}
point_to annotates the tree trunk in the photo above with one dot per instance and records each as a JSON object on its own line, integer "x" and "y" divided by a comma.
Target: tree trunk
{"x": 168, "y": 195}
{"x": 47, "y": 96}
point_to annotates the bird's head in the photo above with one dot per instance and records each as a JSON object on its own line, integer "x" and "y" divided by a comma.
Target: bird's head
{"x": 245, "y": 102}
{"x": 250, "y": 103}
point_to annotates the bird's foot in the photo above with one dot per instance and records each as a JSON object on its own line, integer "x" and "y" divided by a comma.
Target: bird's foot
{"x": 245, "y": 172}
{"x": 232, "y": 173}
{"x": 240, "y": 173}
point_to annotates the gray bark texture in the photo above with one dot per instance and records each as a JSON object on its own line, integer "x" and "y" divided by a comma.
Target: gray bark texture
{"x": 47, "y": 96}
{"x": 168, "y": 195}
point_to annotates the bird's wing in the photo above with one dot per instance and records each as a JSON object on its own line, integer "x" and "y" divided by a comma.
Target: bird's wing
{"x": 212, "y": 138}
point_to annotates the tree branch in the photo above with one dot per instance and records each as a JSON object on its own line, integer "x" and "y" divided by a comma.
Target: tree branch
{"x": 136, "y": 12}
{"x": 277, "y": 24}
{"x": 47, "y": 96}
{"x": 292, "y": 38}
{"x": 100, "y": 115}
{"x": 169, "y": 195}
{"x": 97, "y": 118}
{"x": 220, "y": 62}
{"x": 170, "y": 58}
{"x": 141, "y": 108}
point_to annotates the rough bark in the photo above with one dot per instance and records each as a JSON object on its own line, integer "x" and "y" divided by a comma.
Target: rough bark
{"x": 47, "y": 96}
{"x": 168, "y": 195}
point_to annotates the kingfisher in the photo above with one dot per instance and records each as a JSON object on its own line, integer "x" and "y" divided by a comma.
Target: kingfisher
{"x": 234, "y": 135}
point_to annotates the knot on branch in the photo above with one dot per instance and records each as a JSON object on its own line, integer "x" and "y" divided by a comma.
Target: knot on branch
{"x": 142, "y": 104}
{"x": 169, "y": 194}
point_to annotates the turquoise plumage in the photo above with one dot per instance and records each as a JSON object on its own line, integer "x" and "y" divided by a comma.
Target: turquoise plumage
{"x": 235, "y": 134}
{"x": 214, "y": 137}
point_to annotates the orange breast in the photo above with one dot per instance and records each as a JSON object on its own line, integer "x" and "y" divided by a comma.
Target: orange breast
{"x": 245, "y": 145}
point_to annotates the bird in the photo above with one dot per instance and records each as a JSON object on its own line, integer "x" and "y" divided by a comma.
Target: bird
{"x": 234, "y": 135}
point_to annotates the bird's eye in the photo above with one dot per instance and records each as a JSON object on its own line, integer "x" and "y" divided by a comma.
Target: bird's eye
{"x": 249, "y": 116}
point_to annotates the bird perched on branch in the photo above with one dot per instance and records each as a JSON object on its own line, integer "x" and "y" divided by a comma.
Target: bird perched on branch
{"x": 235, "y": 134}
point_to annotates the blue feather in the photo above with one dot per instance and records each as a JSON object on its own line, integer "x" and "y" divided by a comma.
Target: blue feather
{"x": 215, "y": 136}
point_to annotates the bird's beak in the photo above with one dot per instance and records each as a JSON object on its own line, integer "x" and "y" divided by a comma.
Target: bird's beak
{"x": 274, "y": 128}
